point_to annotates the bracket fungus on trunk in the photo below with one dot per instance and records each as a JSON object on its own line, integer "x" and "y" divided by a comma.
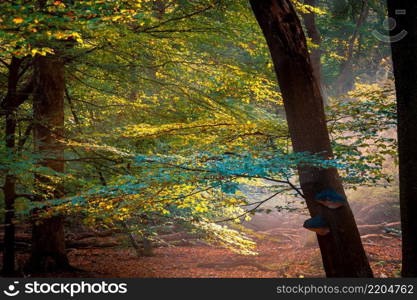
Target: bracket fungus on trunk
{"x": 317, "y": 224}
{"x": 330, "y": 198}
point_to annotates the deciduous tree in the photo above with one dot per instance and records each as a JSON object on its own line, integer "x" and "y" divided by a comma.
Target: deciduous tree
{"x": 405, "y": 72}
{"x": 342, "y": 251}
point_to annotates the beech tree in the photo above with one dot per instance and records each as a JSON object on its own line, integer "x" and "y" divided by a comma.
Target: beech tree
{"x": 342, "y": 251}
{"x": 174, "y": 118}
{"x": 48, "y": 243}
{"x": 405, "y": 72}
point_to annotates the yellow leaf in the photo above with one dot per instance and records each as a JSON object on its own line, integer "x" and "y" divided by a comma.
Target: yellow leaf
{"x": 17, "y": 20}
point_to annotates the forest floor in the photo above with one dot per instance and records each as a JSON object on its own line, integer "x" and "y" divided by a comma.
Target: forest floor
{"x": 284, "y": 250}
{"x": 274, "y": 260}
{"x": 205, "y": 261}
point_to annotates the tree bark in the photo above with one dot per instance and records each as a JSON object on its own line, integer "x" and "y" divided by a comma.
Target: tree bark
{"x": 9, "y": 200}
{"x": 48, "y": 243}
{"x": 405, "y": 72}
{"x": 342, "y": 251}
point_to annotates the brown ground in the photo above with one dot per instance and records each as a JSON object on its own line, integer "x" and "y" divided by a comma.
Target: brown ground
{"x": 274, "y": 260}
{"x": 285, "y": 250}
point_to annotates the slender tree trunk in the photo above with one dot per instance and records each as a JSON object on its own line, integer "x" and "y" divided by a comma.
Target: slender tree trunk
{"x": 345, "y": 81}
{"x": 9, "y": 105}
{"x": 342, "y": 251}
{"x": 315, "y": 53}
{"x": 315, "y": 36}
{"x": 9, "y": 199}
{"x": 405, "y": 72}
{"x": 48, "y": 244}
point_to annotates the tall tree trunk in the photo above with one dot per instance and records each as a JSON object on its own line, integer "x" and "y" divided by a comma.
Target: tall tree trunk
{"x": 9, "y": 105}
{"x": 405, "y": 72}
{"x": 315, "y": 36}
{"x": 48, "y": 244}
{"x": 9, "y": 199}
{"x": 315, "y": 53}
{"x": 342, "y": 251}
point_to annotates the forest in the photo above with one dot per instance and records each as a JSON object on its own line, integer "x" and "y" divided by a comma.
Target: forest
{"x": 208, "y": 138}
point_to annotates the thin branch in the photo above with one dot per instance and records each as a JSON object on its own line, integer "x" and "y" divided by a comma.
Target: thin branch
{"x": 251, "y": 210}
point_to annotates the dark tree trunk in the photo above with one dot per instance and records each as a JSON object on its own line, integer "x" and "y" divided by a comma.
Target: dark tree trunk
{"x": 9, "y": 199}
{"x": 405, "y": 72}
{"x": 48, "y": 245}
{"x": 9, "y": 105}
{"x": 342, "y": 251}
